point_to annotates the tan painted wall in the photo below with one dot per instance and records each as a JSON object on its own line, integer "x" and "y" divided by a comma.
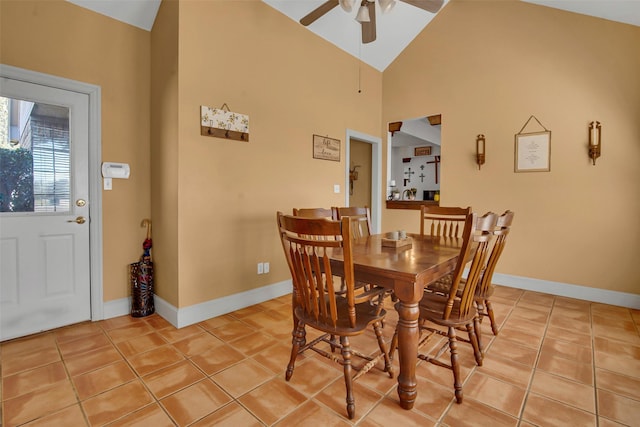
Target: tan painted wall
{"x": 61, "y": 39}
{"x": 292, "y": 84}
{"x": 487, "y": 67}
{"x": 165, "y": 150}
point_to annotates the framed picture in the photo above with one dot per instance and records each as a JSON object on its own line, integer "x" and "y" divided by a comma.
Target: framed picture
{"x": 326, "y": 148}
{"x": 533, "y": 152}
{"x": 422, "y": 151}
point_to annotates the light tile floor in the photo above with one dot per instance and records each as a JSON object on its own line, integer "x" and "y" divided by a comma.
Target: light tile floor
{"x": 556, "y": 362}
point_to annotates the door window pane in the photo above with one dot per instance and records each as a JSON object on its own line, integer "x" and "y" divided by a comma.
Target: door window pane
{"x": 34, "y": 157}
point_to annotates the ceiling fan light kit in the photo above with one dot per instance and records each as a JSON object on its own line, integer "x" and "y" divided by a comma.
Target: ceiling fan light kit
{"x": 363, "y": 13}
{"x": 347, "y": 5}
{"x": 387, "y": 5}
{"x": 366, "y": 15}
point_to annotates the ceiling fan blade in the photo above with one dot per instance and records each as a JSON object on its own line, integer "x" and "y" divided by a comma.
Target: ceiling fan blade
{"x": 432, "y": 6}
{"x": 318, "y": 12}
{"x": 369, "y": 28}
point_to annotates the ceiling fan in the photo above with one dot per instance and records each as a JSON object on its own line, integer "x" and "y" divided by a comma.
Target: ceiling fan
{"x": 367, "y": 12}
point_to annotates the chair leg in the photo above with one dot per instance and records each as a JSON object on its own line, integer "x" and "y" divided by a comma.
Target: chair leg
{"x": 346, "y": 356}
{"x": 477, "y": 326}
{"x": 383, "y": 348}
{"x": 494, "y": 325}
{"x": 332, "y": 339}
{"x": 480, "y": 309}
{"x": 295, "y": 318}
{"x": 475, "y": 339}
{"x": 393, "y": 346}
{"x": 296, "y": 343}
{"x": 455, "y": 367}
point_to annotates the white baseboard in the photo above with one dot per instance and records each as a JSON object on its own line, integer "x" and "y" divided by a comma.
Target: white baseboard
{"x": 622, "y": 299}
{"x": 217, "y": 307}
{"x": 116, "y": 308}
{"x": 206, "y": 310}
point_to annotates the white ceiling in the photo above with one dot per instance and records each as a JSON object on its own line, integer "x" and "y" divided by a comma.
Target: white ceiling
{"x": 395, "y": 30}
{"x": 139, "y": 13}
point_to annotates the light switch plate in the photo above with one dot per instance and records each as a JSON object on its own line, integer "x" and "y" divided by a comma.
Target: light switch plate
{"x": 336, "y": 188}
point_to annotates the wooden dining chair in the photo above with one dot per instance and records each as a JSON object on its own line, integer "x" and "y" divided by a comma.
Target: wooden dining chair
{"x": 375, "y": 295}
{"x": 360, "y": 219}
{"x": 316, "y": 303}
{"x": 485, "y": 287}
{"x": 442, "y": 221}
{"x": 315, "y": 212}
{"x": 455, "y": 311}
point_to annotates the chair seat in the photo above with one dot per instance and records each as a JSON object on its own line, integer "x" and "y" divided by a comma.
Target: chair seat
{"x": 432, "y": 306}
{"x": 443, "y": 285}
{"x": 369, "y": 293}
{"x": 366, "y": 314}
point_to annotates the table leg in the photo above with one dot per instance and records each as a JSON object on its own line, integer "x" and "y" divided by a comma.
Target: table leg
{"x": 408, "y": 335}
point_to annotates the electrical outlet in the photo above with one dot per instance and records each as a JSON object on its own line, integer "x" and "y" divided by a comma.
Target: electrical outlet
{"x": 260, "y": 268}
{"x": 266, "y": 267}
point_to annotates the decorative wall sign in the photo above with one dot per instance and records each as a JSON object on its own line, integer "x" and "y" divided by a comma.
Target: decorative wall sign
{"x": 422, "y": 151}
{"x": 533, "y": 150}
{"x": 223, "y": 123}
{"x": 326, "y": 148}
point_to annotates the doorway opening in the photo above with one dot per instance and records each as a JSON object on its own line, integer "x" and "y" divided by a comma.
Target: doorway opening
{"x": 375, "y": 176}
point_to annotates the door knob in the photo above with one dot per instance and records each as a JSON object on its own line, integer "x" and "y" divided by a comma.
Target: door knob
{"x": 79, "y": 220}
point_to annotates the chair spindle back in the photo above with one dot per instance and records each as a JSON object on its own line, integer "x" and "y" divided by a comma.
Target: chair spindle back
{"x": 477, "y": 235}
{"x": 308, "y": 244}
{"x": 440, "y": 221}
{"x": 360, "y": 220}
{"x": 503, "y": 225}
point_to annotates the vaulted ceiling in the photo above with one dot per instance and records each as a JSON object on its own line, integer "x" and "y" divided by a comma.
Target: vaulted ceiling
{"x": 395, "y": 29}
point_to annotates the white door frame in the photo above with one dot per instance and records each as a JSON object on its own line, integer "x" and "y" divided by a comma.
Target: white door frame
{"x": 95, "y": 155}
{"x": 376, "y": 170}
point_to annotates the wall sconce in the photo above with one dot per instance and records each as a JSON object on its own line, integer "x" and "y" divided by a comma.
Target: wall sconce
{"x": 595, "y": 139}
{"x": 353, "y": 176}
{"x": 480, "y": 150}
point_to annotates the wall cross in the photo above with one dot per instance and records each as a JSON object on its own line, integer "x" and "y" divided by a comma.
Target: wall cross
{"x": 408, "y": 173}
{"x": 436, "y": 160}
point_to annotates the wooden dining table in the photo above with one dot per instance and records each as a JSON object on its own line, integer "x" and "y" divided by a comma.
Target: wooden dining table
{"x": 406, "y": 270}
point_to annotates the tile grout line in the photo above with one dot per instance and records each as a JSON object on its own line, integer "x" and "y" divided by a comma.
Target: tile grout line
{"x": 535, "y": 364}
{"x": 452, "y": 403}
{"x": 138, "y": 377}
{"x": 73, "y": 385}
{"x": 593, "y": 366}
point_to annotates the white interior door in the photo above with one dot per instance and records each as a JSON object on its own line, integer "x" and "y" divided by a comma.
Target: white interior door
{"x": 44, "y": 222}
